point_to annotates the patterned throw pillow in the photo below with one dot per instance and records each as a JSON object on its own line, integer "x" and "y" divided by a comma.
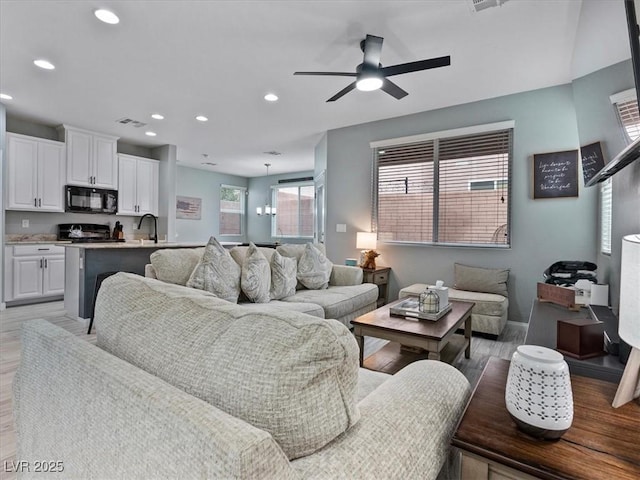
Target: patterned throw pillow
{"x": 283, "y": 276}
{"x": 314, "y": 269}
{"x": 217, "y": 273}
{"x": 256, "y": 276}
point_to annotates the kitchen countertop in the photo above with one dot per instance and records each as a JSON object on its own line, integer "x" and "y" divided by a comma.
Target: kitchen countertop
{"x": 37, "y": 242}
{"x": 133, "y": 244}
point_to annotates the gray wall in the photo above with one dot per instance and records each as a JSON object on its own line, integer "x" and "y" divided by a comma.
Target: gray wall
{"x": 203, "y": 184}
{"x": 543, "y": 231}
{"x": 597, "y": 122}
{"x": 259, "y": 227}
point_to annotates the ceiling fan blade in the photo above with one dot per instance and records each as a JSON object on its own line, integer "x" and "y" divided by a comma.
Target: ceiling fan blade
{"x": 327, "y": 74}
{"x": 372, "y": 50}
{"x": 342, "y": 92}
{"x": 416, "y": 66}
{"x": 393, "y": 89}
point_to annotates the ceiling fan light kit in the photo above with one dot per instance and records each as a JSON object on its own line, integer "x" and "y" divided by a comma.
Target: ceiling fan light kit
{"x": 371, "y": 75}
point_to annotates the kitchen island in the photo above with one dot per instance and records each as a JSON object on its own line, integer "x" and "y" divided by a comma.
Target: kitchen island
{"x": 85, "y": 261}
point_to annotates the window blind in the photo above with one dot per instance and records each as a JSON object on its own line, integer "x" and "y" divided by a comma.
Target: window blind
{"x": 629, "y": 117}
{"x": 606, "y": 196}
{"x": 447, "y": 190}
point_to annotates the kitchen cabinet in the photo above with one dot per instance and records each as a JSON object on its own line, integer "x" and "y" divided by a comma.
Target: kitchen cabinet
{"x": 35, "y": 173}
{"x": 91, "y": 158}
{"x": 137, "y": 185}
{"x": 33, "y": 271}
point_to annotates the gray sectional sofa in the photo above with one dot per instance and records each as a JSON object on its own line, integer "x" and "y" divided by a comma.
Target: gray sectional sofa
{"x": 345, "y": 298}
{"x": 182, "y": 384}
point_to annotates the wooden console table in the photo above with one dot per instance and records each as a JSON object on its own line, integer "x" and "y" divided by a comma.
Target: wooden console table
{"x": 602, "y": 443}
{"x": 542, "y": 330}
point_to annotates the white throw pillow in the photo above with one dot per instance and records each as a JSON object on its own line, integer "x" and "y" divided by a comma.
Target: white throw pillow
{"x": 256, "y": 276}
{"x": 283, "y": 276}
{"x": 314, "y": 268}
{"x": 217, "y": 273}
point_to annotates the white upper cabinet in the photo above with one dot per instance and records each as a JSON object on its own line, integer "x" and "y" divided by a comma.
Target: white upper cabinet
{"x": 91, "y": 158}
{"x": 138, "y": 185}
{"x": 35, "y": 174}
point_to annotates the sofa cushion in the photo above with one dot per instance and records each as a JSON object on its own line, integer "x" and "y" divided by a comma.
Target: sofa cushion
{"x": 283, "y": 276}
{"x": 255, "y": 279}
{"x": 476, "y": 279}
{"x": 175, "y": 265}
{"x": 217, "y": 273}
{"x": 314, "y": 268}
{"x": 295, "y": 250}
{"x": 285, "y": 372}
{"x": 338, "y": 301}
{"x": 279, "y": 305}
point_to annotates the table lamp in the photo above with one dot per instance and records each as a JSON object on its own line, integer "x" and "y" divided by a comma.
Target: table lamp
{"x": 629, "y": 318}
{"x": 366, "y": 241}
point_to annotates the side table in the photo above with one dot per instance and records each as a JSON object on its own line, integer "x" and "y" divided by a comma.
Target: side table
{"x": 602, "y": 443}
{"x": 379, "y": 277}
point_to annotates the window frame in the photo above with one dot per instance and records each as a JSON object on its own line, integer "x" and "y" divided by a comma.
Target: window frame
{"x": 243, "y": 213}
{"x": 377, "y": 146}
{"x": 274, "y": 202}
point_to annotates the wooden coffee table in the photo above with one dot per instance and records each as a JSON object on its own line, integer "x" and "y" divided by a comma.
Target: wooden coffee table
{"x": 437, "y": 339}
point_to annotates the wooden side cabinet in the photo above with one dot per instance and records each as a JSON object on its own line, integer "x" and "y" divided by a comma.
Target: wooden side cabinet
{"x": 379, "y": 277}
{"x": 601, "y": 444}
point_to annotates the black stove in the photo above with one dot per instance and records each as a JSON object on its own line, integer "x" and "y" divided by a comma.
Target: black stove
{"x": 86, "y": 233}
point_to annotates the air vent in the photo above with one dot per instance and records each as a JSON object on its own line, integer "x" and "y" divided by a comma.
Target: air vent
{"x": 130, "y": 121}
{"x": 272, "y": 152}
{"x": 478, "y": 5}
{"x": 294, "y": 180}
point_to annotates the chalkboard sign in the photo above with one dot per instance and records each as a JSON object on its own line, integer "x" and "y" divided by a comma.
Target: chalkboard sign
{"x": 592, "y": 160}
{"x": 555, "y": 174}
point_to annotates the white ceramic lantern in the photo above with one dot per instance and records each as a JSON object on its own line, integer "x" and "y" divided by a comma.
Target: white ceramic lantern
{"x": 538, "y": 393}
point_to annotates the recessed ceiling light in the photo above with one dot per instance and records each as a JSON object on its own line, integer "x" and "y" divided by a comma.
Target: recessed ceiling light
{"x": 150, "y": 134}
{"x": 44, "y": 64}
{"x": 201, "y": 118}
{"x": 106, "y": 16}
{"x": 271, "y": 97}
{"x": 4, "y": 96}
{"x": 157, "y": 116}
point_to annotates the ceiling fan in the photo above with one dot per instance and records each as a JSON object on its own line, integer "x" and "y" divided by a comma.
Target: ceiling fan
{"x": 371, "y": 75}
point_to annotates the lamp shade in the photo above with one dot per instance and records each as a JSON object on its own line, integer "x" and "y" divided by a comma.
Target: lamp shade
{"x": 629, "y": 327}
{"x": 366, "y": 240}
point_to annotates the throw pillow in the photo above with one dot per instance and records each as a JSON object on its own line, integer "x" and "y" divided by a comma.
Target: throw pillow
{"x": 217, "y": 273}
{"x": 255, "y": 280}
{"x": 283, "y": 276}
{"x": 175, "y": 265}
{"x": 477, "y": 279}
{"x": 314, "y": 269}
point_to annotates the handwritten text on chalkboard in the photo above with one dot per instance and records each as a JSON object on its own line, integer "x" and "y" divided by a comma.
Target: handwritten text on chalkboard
{"x": 592, "y": 160}
{"x": 555, "y": 174}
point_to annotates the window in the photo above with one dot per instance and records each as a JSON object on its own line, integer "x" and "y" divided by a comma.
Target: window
{"x": 231, "y": 209}
{"x": 445, "y": 188}
{"x": 295, "y": 206}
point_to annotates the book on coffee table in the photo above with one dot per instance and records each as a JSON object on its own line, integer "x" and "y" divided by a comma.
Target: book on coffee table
{"x": 411, "y": 308}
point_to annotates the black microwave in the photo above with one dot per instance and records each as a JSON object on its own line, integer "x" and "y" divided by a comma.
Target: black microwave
{"x": 91, "y": 200}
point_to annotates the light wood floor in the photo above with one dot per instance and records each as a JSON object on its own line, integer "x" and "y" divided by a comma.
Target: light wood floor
{"x": 11, "y": 320}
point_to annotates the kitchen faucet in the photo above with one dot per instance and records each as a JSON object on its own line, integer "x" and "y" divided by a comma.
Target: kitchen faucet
{"x": 155, "y": 226}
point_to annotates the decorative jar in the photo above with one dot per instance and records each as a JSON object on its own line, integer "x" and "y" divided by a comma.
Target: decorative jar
{"x": 429, "y": 302}
{"x": 538, "y": 392}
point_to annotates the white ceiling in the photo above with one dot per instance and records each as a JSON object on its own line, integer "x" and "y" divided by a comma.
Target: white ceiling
{"x": 219, "y": 58}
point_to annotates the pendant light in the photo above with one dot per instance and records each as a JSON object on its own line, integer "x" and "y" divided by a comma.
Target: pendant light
{"x": 267, "y": 209}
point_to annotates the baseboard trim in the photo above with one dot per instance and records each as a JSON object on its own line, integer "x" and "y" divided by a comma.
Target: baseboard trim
{"x": 517, "y": 324}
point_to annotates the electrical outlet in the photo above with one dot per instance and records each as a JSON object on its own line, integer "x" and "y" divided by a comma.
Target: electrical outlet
{"x": 341, "y": 227}
{"x": 25, "y": 223}
{"x": 134, "y": 226}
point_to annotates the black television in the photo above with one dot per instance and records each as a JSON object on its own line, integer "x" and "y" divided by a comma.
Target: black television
{"x": 632, "y": 152}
